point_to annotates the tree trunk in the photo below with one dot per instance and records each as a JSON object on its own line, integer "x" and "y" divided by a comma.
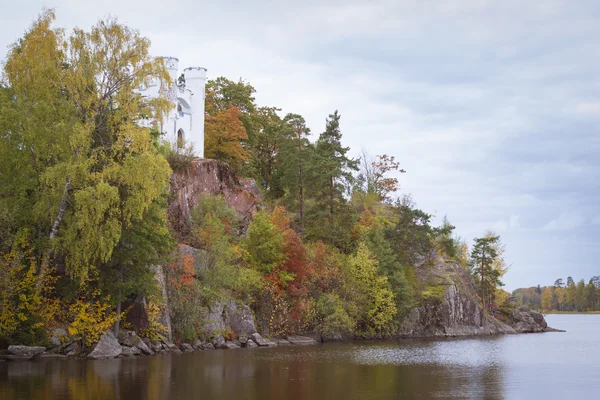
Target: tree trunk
{"x": 62, "y": 208}
{"x": 331, "y": 200}
{"x": 118, "y": 321}
{"x": 301, "y": 202}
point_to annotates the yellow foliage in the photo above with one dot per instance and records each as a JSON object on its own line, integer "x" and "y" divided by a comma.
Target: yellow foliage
{"x": 24, "y": 307}
{"x": 91, "y": 314}
{"x": 155, "y": 329}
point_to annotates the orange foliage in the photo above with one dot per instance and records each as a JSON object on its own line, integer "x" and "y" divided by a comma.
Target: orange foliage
{"x": 224, "y": 133}
{"x": 182, "y": 271}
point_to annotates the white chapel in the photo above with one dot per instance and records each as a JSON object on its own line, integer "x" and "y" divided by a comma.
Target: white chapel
{"x": 186, "y": 120}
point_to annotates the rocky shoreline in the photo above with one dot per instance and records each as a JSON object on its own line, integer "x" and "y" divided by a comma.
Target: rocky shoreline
{"x": 128, "y": 344}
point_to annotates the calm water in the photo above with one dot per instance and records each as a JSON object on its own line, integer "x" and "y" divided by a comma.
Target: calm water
{"x": 548, "y": 366}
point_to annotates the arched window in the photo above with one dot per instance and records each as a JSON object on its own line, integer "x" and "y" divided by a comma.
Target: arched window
{"x": 180, "y": 138}
{"x": 179, "y": 110}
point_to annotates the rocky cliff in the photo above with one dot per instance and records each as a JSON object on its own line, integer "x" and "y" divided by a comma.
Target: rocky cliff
{"x": 448, "y": 304}
{"x": 450, "y": 307}
{"x": 214, "y": 178}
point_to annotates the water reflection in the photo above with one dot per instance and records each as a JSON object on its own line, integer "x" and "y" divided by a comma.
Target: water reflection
{"x": 504, "y": 367}
{"x": 330, "y": 371}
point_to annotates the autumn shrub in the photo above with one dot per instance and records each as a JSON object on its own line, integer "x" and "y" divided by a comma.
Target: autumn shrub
{"x": 91, "y": 314}
{"x": 229, "y": 334}
{"x": 185, "y": 297}
{"x": 155, "y": 329}
{"x": 26, "y": 311}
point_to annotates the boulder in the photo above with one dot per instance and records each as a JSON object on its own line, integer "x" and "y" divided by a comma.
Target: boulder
{"x": 228, "y": 346}
{"x": 133, "y": 340}
{"x": 282, "y": 342}
{"x": 186, "y": 347}
{"x": 539, "y": 319}
{"x": 301, "y": 340}
{"x": 170, "y": 347}
{"x": 333, "y": 337}
{"x": 157, "y": 346}
{"x": 58, "y": 336}
{"x": 259, "y": 340}
{"x": 122, "y": 334}
{"x": 73, "y": 349}
{"x": 218, "y": 341}
{"x": 198, "y": 344}
{"x": 148, "y": 342}
{"x": 208, "y": 346}
{"x": 270, "y": 343}
{"x": 107, "y": 347}
{"x": 239, "y": 318}
{"x": 130, "y": 351}
{"x": 243, "y": 340}
{"x": 251, "y": 344}
{"x": 27, "y": 352}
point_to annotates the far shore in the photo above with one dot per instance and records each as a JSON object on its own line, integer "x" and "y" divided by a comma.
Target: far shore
{"x": 571, "y": 312}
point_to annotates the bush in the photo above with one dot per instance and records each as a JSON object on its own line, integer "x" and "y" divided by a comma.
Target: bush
{"x": 331, "y": 317}
{"x": 91, "y": 314}
{"x": 25, "y": 311}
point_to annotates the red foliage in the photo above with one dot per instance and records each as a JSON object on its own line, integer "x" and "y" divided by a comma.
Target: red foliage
{"x": 182, "y": 271}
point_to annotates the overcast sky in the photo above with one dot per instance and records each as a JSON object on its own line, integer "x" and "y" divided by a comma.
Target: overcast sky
{"x": 492, "y": 107}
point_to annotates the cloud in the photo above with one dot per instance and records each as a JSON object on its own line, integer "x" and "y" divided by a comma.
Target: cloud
{"x": 505, "y": 225}
{"x": 565, "y": 222}
{"x": 588, "y": 108}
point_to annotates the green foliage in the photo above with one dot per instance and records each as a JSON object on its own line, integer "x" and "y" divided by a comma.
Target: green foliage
{"x": 214, "y": 207}
{"x": 331, "y": 317}
{"x": 374, "y": 298}
{"x": 179, "y": 157}
{"x": 483, "y": 258}
{"x": 263, "y": 244}
{"x": 329, "y": 174}
{"x": 390, "y": 267}
{"x": 411, "y": 237}
{"x": 446, "y": 243}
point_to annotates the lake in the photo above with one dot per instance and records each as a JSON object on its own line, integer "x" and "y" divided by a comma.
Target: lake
{"x": 548, "y": 365}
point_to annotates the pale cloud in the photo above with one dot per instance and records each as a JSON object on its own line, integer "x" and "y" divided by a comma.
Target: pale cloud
{"x": 565, "y": 222}
{"x": 588, "y": 108}
{"x": 504, "y": 225}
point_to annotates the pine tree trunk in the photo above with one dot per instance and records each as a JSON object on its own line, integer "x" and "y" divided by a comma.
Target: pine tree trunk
{"x": 331, "y": 201}
{"x": 301, "y": 202}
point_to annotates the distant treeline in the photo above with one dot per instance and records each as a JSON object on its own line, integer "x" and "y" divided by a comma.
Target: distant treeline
{"x": 569, "y": 296}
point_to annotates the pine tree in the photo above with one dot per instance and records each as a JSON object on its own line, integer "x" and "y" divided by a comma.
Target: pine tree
{"x": 330, "y": 173}
{"x": 293, "y": 158}
{"x": 483, "y": 256}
